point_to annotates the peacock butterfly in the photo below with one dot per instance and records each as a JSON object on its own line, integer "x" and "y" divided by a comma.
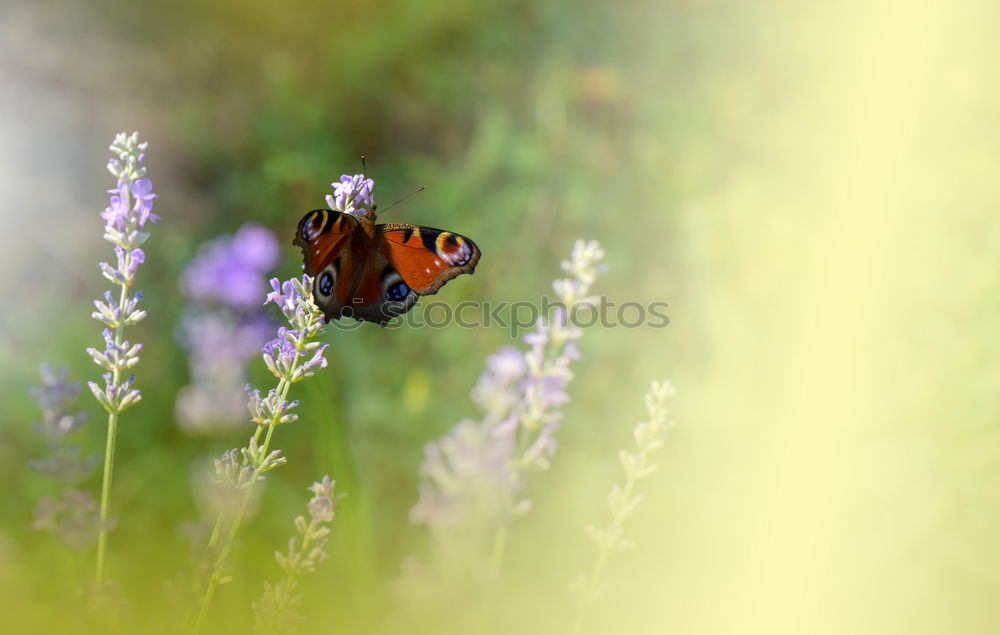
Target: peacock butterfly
{"x": 375, "y": 272}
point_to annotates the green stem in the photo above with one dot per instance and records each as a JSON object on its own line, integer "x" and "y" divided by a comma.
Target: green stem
{"x": 102, "y": 536}
{"x": 216, "y": 528}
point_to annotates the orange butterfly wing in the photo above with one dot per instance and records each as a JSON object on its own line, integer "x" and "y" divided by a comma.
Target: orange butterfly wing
{"x": 322, "y": 234}
{"x": 425, "y": 257}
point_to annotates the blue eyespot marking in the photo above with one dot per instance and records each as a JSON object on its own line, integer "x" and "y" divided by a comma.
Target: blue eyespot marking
{"x": 397, "y": 292}
{"x": 326, "y": 284}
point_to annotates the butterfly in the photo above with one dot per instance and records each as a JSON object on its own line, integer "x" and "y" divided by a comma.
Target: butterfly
{"x": 377, "y": 272}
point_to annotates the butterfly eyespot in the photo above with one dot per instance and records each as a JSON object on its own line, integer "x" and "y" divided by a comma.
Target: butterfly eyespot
{"x": 397, "y": 292}
{"x": 326, "y": 284}
{"x": 313, "y": 225}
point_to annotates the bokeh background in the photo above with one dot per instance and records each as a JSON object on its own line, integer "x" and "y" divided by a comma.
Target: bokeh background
{"x": 812, "y": 188}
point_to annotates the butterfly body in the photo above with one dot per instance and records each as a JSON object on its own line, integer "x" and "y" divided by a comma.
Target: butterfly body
{"x": 375, "y": 272}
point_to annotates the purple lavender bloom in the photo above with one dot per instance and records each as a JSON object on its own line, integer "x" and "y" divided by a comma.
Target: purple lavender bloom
{"x": 124, "y": 225}
{"x": 352, "y": 195}
{"x": 114, "y": 214}
{"x": 284, "y": 353}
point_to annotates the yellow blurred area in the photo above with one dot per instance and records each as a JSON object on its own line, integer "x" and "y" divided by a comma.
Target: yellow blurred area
{"x": 835, "y": 468}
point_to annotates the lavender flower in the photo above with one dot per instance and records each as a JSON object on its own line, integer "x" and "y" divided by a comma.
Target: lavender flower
{"x": 277, "y": 609}
{"x": 473, "y": 477}
{"x": 224, "y": 326}
{"x": 353, "y": 195}
{"x": 72, "y": 515}
{"x": 129, "y": 209}
{"x": 291, "y": 357}
{"x": 623, "y": 500}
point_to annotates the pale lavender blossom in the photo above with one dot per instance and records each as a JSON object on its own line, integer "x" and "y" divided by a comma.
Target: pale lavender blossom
{"x": 129, "y": 209}
{"x": 277, "y": 610}
{"x": 473, "y": 478}
{"x": 498, "y": 388}
{"x": 519, "y": 393}
{"x": 352, "y": 195}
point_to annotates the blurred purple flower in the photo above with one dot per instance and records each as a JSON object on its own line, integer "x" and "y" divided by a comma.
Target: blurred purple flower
{"x": 232, "y": 270}
{"x": 54, "y": 398}
{"x": 220, "y": 345}
{"x": 72, "y": 516}
{"x": 224, "y": 327}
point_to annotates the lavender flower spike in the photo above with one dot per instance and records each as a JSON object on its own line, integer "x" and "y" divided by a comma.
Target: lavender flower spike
{"x": 129, "y": 209}
{"x": 291, "y": 357}
{"x": 277, "y": 609}
{"x": 623, "y": 500}
{"x": 473, "y": 478}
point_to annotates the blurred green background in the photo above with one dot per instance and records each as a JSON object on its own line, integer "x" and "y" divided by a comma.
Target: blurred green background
{"x": 811, "y": 188}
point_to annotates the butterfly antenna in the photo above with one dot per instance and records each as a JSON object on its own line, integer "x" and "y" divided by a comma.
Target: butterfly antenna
{"x": 364, "y": 173}
{"x": 419, "y": 189}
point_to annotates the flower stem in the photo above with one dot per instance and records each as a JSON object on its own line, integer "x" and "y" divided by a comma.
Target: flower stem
{"x": 102, "y": 536}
